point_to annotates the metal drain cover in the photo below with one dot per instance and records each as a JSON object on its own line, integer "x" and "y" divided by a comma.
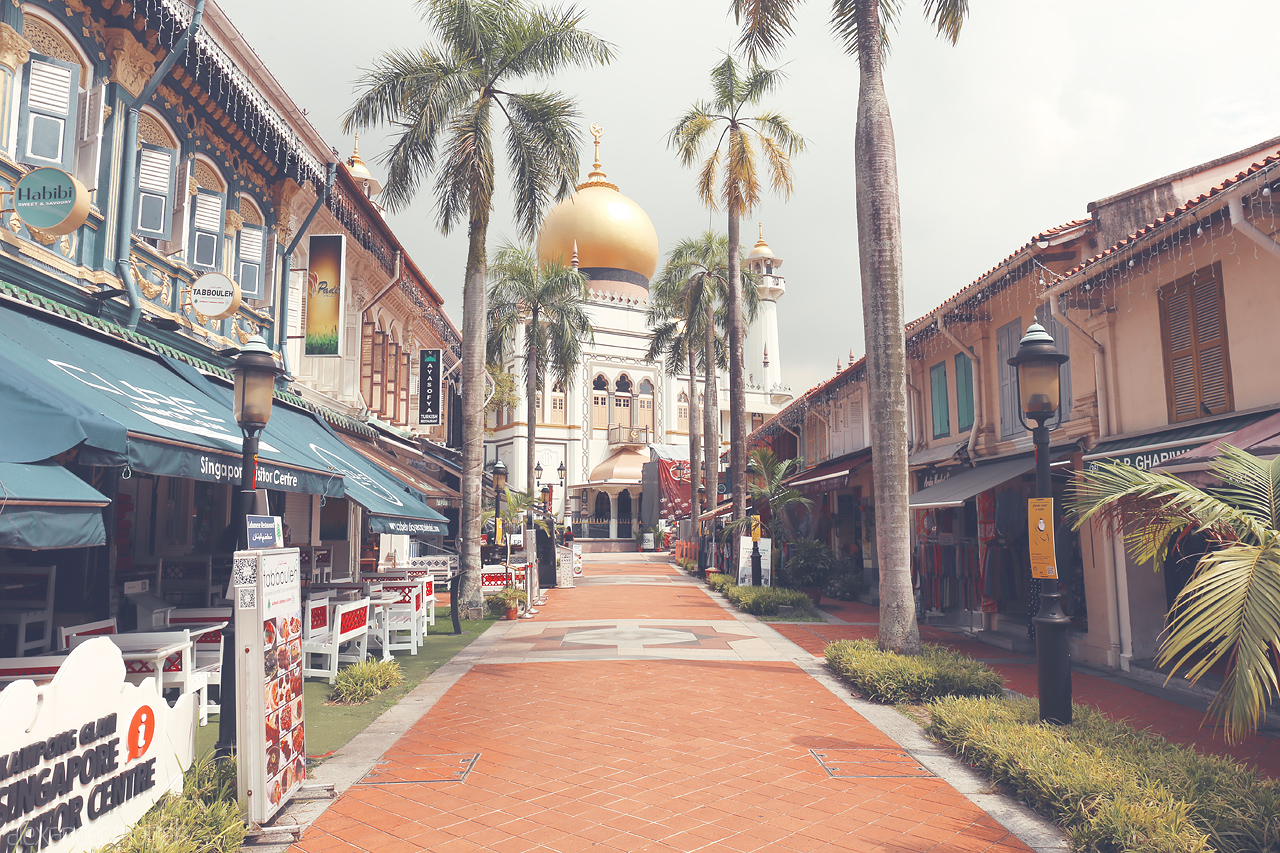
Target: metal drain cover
{"x": 868, "y": 764}
{"x": 419, "y": 769}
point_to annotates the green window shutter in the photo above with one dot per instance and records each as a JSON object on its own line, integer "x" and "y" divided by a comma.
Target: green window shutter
{"x": 207, "y": 217}
{"x": 938, "y": 390}
{"x": 47, "y": 118}
{"x": 964, "y": 391}
{"x": 250, "y": 260}
{"x": 156, "y": 179}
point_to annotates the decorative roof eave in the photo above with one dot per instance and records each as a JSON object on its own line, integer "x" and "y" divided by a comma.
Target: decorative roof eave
{"x": 1169, "y": 230}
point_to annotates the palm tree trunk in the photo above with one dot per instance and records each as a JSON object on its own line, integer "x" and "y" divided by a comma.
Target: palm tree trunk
{"x": 880, "y": 259}
{"x": 737, "y": 380}
{"x": 473, "y": 395}
{"x": 695, "y": 412}
{"x": 531, "y": 388}
{"x": 711, "y": 410}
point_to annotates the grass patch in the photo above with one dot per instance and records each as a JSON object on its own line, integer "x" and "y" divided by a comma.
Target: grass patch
{"x": 204, "y": 818}
{"x": 361, "y": 682}
{"x": 892, "y": 678}
{"x": 765, "y": 600}
{"x": 1111, "y": 787}
{"x": 330, "y": 727}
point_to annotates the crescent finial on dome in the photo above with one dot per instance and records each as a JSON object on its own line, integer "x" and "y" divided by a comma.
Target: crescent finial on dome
{"x": 597, "y": 176}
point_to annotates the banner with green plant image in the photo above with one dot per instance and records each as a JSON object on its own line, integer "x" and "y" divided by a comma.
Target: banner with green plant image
{"x": 326, "y": 258}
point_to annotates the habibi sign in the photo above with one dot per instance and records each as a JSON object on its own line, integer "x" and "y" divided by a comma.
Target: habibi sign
{"x": 269, "y": 728}
{"x": 84, "y": 757}
{"x": 51, "y": 200}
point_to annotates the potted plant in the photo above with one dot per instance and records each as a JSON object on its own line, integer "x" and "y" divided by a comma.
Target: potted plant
{"x": 811, "y": 566}
{"x": 511, "y": 597}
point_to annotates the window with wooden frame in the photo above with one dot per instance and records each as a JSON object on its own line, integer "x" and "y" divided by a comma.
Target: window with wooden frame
{"x": 600, "y": 403}
{"x": 1197, "y": 363}
{"x": 644, "y": 405}
{"x": 938, "y": 396}
{"x": 403, "y": 418}
{"x": 379, "y": 362}
{"x": 682, "y": 412}
{"x": 557, "y": 404}
{"x": 367, "y": 330}
{"x": 964, "y": 391}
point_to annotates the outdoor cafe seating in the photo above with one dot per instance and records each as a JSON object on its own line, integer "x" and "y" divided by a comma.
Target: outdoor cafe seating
{"x": 325, "y": 632}
{"x": 26, "y": 603}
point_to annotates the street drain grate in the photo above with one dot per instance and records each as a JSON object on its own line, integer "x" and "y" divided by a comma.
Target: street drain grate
{"x": 451, "y": 767}
{"x": 868, "y": 764}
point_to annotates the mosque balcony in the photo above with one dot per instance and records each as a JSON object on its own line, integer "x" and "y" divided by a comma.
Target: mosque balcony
{"x": 621, "y": 435}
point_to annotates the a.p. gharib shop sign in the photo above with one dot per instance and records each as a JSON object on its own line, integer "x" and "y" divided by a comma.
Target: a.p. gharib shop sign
{"x": 84, "y": 757}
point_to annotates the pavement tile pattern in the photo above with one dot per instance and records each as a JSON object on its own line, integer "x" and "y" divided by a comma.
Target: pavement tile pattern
{"x": 689, "y": 732}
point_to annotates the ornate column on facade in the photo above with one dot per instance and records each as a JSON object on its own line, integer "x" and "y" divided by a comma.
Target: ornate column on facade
{"x": 613, "y": 515}
{"x": 15, "y": 50}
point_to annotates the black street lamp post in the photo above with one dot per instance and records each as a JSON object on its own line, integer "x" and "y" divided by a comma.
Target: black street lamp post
{"x": 1038, "y": 362}
{"x": 255, "y": 372}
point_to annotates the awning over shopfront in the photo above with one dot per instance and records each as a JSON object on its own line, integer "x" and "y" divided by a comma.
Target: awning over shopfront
{"x": 829, "y": 475}
{"x": 968, "y": 482}
{"x": 1146, "y": 450}
{"x": 937, "y": 453}
{"x": 171, "y": 419}
{"x": 402, "y": 469}
{"x": 1261, "y": 438}
{"x": 46, "y": 506}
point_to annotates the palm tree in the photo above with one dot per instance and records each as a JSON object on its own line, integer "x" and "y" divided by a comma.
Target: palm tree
{"x": 770, "y": 489}
{"x": 862, "y": 26}
{"x": 549, "y": 303}
{"x": 734, "y": 93}
{"x": 675, "y": 342}
{"x": 1230, "y": 609}
{"x": 441, "y": 100}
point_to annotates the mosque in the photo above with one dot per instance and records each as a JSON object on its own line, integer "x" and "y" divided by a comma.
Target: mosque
{"x": 620, "y": 409}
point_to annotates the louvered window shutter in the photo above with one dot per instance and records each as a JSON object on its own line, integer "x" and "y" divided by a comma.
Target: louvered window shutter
{"x": 939, "y": 407}
{"x": 1007, "y": 338}
{"x": 250, "y": 260}
{"x": 1197, "y": 365}
{"x": 207, "y": 219}
{"x": 46, "y": 128}
{"x": 404, "y": 387}
{"x": 856, "y": 440}
{"x": 366, "y": 362}
{"x": 89, "y": 136}
{"x": 379, "y": 370}
{"x": 297, "y": 284}
{"x": 391, "y": 370}
{"x": 157, "y": 175}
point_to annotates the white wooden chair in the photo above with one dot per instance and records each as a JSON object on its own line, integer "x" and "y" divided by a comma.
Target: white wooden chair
{"x": 87, "y": 629}
{"x": 402, "y": 620}
{"x": 208, "y": 646}
{"x": 37, "y": 668}
{"x": 326, "y": 633}
{"x": 29, "y": 606}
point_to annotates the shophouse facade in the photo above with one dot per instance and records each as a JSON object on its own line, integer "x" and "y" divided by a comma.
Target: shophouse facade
{"x": 1161, "y": 297}
{"x": 118, "y": 380}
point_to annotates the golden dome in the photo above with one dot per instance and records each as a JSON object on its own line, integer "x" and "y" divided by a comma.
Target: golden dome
{"x": 360, "y": 171}
{"x": 761, "y": 248}
{"x": 605, "y": 228}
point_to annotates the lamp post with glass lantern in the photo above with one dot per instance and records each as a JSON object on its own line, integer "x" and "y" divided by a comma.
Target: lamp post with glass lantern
{"x": 255, "y": 372}
{"x": 1038, "y": 362}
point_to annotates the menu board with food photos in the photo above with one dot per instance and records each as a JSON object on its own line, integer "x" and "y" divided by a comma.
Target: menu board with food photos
{"x": 271, "y": 745}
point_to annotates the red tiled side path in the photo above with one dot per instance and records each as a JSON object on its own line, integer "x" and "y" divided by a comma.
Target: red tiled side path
{"x": 1165, "y": 717}
{"x": 647, "y": 756}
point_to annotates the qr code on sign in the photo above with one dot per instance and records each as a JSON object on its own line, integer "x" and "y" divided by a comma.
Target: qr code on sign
{"x": 245, "y": 571}
{"x": 246, "y": 599}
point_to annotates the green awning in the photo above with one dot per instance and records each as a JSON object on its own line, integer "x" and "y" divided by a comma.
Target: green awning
{"x": 171, "y": 423}
{"x": 43, "y": 505}
{"x": 1146, "y": 450}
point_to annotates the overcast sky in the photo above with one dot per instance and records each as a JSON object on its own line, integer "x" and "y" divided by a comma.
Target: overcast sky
{"x": 1040, "y": 109}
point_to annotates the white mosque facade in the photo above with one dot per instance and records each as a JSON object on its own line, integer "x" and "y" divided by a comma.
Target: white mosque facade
{"x": 621, "y": 409}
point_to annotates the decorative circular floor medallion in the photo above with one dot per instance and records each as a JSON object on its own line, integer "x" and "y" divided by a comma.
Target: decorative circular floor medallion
{"x": 630, "y": 636}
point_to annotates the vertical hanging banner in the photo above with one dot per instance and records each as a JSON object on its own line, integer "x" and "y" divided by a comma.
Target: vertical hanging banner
{"x": 429, "y": 387}
{"x": 269, "y": 727}
{"x": 326, "y": 268}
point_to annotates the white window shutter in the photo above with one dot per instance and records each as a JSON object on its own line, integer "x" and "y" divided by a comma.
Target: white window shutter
{"x": 206, "y": 229}
{"x": 47, "y": 118}
{"x": 89, "y": 136}
{"x": 156, "y": 178}
{"x": 250, "y": 261}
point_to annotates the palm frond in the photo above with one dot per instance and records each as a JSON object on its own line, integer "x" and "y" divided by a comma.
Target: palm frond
{"x": 947, "y": 16}
{"x": 1252, "y": 484}
{"x": 542, "y": 147}
{"x": 465, "y": 177}
{"x": 550, "y": 40}
{"x": 767, "y": 24}
{"x": 690, "y": 132}
{"x": 844, "y": 25}
{"x": 1231, "y": 609}
{"x": 779, "y": 167}
{"x": 742, "y": 185}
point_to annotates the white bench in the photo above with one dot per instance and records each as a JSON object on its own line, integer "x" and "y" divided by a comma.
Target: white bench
{"x": 26, "y": 601}
{"x": 324, "y": 633}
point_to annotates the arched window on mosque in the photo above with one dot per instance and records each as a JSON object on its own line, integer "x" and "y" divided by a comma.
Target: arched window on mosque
{"x": 557, "y": 403}
{"x": 600, "y": 403}
{"x": 622, "y": 401}
{"x": 682, "y": 412}
{"x": 644, "y": 405}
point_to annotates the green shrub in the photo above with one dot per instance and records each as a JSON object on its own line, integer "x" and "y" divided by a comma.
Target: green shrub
{"x": 1111, "y": 787}
{"x": 720, "y": 581}
{"x": 360, "y": 682}
{"x": 766, "y": 600}
{"x": 204, "y": 818}
{"x": 811, "y": 563}
{"x": 891, "y": 678}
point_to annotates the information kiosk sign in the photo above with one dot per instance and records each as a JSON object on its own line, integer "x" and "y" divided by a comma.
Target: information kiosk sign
{"x": 269, "y": 725}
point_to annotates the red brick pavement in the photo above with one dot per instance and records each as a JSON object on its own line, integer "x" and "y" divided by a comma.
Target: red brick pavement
{"x": 1165, "y": 717}
{"x": 647, "y": 756}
